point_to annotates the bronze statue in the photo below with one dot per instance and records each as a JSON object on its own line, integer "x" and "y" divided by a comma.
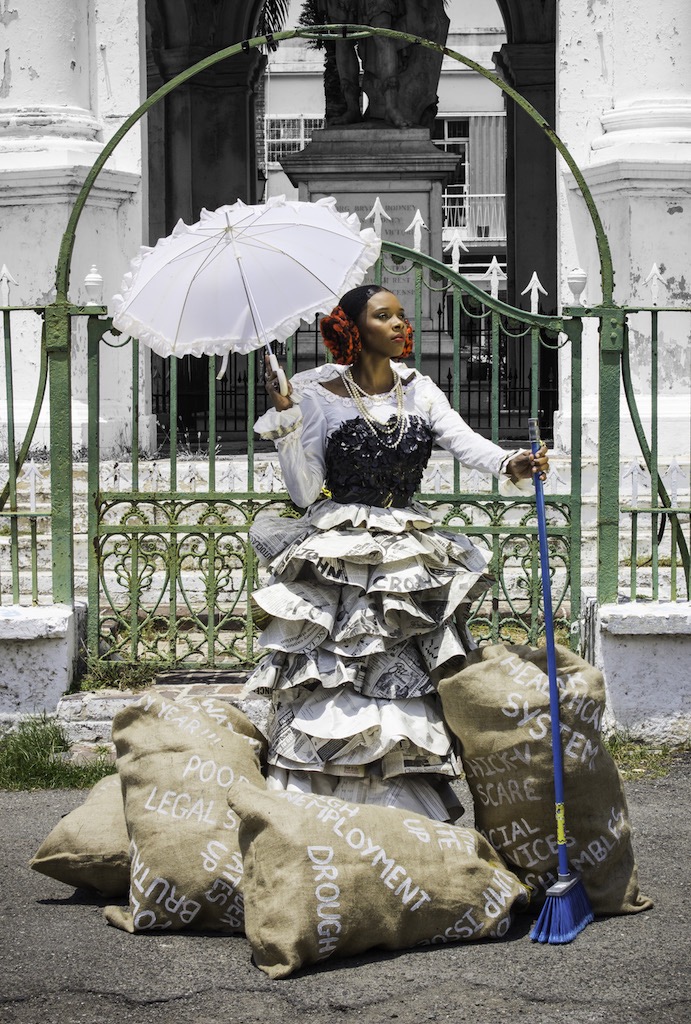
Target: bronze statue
{"x": 399, "y": 79}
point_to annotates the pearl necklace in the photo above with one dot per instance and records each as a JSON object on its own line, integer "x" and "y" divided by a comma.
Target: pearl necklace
{"x": 389, "y": 434}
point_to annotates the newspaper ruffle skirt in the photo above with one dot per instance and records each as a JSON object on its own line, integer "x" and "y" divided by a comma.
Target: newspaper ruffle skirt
{"x": 363, "y": 607}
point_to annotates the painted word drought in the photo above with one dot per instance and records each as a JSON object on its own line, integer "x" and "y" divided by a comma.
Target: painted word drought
{"x": 329, "y": 866}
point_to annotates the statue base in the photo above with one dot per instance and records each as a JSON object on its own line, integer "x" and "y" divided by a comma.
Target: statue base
{"x": 401, "y": 166}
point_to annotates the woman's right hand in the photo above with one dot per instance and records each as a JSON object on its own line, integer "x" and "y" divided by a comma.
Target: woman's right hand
{"x": 271, "y": 385}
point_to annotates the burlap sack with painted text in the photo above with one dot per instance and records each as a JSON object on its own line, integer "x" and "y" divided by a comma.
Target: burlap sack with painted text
{"x": 89, "y": 847}
{"x": 324, "y": 878}
{"x": 498, "y": 706}
{"x": 176, "y": 761}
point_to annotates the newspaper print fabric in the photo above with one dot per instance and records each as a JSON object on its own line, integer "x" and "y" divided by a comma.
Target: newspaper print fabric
{"x": 363, "y": 604}
{"x": 366, "y": 599}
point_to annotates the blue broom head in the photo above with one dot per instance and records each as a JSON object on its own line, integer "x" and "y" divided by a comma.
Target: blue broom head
{"x": 566, "y": 912}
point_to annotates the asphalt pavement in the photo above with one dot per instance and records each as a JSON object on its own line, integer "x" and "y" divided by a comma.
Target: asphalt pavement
{"x": 60, "y": 963}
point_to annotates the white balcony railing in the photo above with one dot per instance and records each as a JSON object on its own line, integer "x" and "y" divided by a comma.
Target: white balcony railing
{"x": 480, "y": 218}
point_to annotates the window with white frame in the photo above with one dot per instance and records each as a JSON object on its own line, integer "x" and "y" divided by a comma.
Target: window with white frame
{"x": 475, "y": 200}
{"x": 452, "y": 134}
{"x": 283, "y": 135}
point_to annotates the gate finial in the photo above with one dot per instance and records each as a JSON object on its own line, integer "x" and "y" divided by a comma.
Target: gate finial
{"x": 376, "y": 214}
{"x": 455, "y": 244}
{"x": 494, "y": 275}
{"x": 674, "y": 474}
{"x": 6, "y": 280}
{"x": 93, "y": 285}
{"x": 637, "y": 473}
{"x": 416, "y": 225}
{"x": 535, "y": 288}
{"x": 655, "y": 279}
{"x": 577, "y": 280}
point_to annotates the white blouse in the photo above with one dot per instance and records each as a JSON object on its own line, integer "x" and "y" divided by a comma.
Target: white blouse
{"x": 301, "y": 432}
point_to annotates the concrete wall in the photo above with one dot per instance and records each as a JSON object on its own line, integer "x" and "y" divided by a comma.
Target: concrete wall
{"x": 476, "y": 31}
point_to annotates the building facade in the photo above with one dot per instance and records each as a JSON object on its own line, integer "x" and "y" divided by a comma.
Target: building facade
{"x": 617, "y": 92}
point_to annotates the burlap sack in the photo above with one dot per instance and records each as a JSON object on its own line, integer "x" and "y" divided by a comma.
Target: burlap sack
{"x": 325, "y": 878}
{"x": 498, "y": 706}
{"x": 176, "y": 761}
{"x": 89, "y": 847}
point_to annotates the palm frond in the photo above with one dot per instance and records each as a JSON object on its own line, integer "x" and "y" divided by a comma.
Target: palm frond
{"x": 273, "y": 16}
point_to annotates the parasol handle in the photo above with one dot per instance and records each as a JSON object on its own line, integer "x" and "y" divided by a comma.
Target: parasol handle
{"x": 282, "y": 379}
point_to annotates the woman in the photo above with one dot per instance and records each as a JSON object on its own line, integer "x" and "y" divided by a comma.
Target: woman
{"x": 367, "y": 600}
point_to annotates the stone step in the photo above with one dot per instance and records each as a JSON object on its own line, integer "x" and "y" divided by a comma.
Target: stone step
{"x": 87, "y": 716}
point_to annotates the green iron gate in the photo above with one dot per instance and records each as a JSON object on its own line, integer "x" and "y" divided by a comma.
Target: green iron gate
{"x": 171, "y": 569}
{"x": 171, "y": 572}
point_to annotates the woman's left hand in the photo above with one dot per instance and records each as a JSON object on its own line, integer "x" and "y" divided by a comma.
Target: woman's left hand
{"x": 523, "y": 465}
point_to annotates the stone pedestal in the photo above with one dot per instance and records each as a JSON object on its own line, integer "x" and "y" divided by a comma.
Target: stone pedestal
{"x": 39, "y": 651}
{"x": 642, "y": 651}
{"x": 357, "y": 164}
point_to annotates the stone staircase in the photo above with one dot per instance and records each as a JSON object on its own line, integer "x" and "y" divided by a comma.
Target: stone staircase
{"x": 87, "y": 717}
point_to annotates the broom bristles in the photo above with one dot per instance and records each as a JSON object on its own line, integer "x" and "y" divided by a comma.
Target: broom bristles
{"x": 566, "y": 912}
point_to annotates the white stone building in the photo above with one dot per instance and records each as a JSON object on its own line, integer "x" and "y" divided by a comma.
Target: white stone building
{"x": 618, "y": 94}
{"x": 612, "y": 76}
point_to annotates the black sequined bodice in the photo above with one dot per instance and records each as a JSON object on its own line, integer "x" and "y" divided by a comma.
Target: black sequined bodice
{"x": 362, "y": 470}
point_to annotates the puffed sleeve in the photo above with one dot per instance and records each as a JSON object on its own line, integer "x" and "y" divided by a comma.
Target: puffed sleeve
{"x": 299, "y": 435}
{"x": 453, "y": 433}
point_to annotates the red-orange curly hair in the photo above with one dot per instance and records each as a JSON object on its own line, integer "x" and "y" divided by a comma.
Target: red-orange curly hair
{"x": 340, "y": 331}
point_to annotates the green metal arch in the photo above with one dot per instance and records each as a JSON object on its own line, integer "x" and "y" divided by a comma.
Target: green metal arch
{"x": 329, "y": 32}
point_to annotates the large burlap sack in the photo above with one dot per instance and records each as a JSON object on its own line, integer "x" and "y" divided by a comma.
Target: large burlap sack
{"x": 176, "y": 761}
{"x": 89, "y": 847}
{"x": 325, "y": 878}
{"x": 498, "y": 706}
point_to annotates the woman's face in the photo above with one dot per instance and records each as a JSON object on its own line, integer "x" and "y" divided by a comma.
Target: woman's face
{"x": 383, "y": 326}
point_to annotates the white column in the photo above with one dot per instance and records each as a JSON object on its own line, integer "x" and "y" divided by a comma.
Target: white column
{"x": 45, "y": 94}
{"x": 69, "y": 75}
{"x": 624, "y": 111}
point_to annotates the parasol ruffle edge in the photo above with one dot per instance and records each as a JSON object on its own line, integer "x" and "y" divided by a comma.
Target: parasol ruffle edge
{"x": 220, "y": 346}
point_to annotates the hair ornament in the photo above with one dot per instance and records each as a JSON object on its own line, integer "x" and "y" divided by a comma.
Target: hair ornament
{"x": 341, "y": 336}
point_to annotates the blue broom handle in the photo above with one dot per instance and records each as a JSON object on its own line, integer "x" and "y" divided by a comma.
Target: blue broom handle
{"x": 557, "y": 756}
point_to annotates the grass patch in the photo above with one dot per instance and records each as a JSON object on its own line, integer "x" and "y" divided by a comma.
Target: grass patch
{"x": 120, "y": 675}
{"x": 637, "y": 760}
{"x": 513, "y": 634}
{"x": 644, "y": 561}
{"x": 33, "y": 757}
